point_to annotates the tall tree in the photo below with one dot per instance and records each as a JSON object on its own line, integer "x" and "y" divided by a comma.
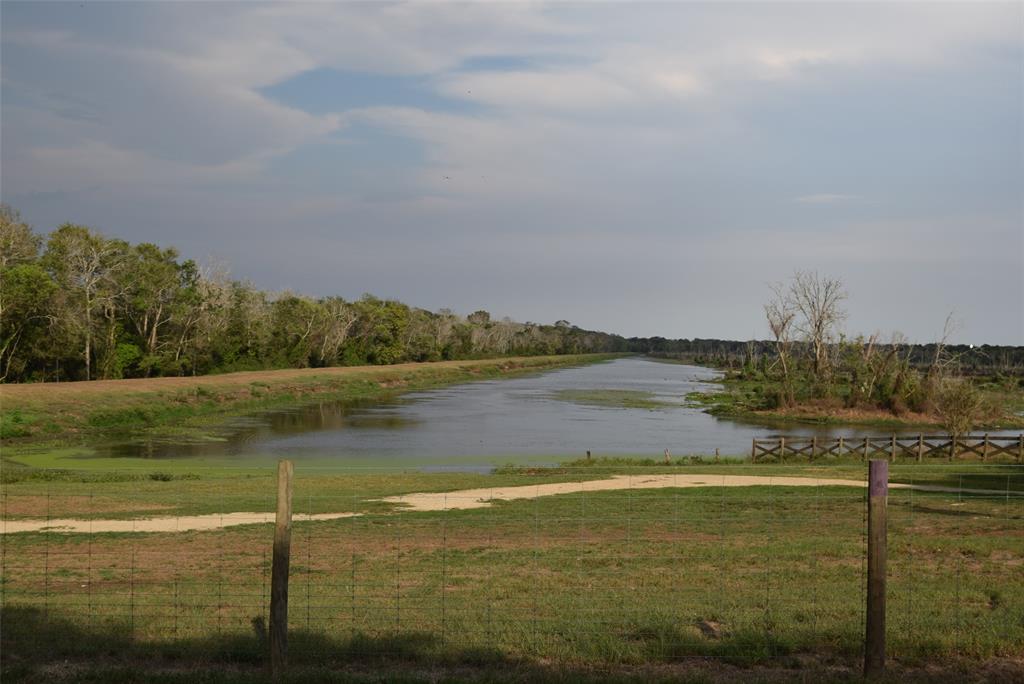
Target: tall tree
{"x": 817, "y": 299}
{"x": 84, "y": 265}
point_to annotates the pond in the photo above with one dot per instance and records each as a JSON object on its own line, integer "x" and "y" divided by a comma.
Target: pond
{"x": 629, "y": 406}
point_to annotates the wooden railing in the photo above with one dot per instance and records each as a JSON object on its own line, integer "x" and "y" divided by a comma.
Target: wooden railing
{"x": 893, "y": 447}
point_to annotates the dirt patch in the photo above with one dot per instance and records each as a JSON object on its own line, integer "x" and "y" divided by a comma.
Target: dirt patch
{"x": 455, "y": 500}
{"x": 184, "y": 523}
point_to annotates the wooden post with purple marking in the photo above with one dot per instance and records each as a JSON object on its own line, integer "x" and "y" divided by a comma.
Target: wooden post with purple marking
{"x": 874, "y": 638}
{"x": 279, "y": 571}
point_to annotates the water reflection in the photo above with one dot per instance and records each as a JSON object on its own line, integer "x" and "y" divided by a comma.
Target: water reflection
{"x": 498, "y": 421}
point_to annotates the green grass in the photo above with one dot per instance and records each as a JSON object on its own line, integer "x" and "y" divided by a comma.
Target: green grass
{"x": 613, "y": 398}
{"x": 580, "y": 583}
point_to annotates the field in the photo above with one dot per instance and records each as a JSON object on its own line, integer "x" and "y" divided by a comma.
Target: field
{"x": 698, "y": 583}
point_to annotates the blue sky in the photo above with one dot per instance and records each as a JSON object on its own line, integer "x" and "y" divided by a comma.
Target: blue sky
{"x": 646, "y": 169}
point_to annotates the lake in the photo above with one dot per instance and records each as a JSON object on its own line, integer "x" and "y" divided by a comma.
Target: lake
{"x": 525, "y": 420}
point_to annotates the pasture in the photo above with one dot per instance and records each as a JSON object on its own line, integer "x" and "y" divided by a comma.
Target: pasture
{"x": 694, "y": 581}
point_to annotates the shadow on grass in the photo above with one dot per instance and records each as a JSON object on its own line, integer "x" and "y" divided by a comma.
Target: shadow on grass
{"x": 1006, "y": 477}
{"x": 49, "y": 648}
{"x": 31, "y": 636}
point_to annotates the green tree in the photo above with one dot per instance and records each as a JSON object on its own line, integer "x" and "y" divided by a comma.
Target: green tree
{"x": 18, "y": 244}
{"x": 84, "y": 266}
{"x": 25, "y": 295}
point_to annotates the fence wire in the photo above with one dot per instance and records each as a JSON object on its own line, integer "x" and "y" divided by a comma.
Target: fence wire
{"x": 640, "y": 573}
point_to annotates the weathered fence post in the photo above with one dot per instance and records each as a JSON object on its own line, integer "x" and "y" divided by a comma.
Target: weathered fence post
{"x": 920, "y": 447}
{"x": 865, "y": 456}
{"x": 782, "y": 449}
{"x": 984, "y": 449}
{"x": 952, "y": 447}
{"x": 874, "y": 637}
{"x": 279, "y": 570}
{"x": 753, "y": 450}
{"x": 814, "y": 447}
{"x": 840, "y": 452}
{"x": 893, "y": 448}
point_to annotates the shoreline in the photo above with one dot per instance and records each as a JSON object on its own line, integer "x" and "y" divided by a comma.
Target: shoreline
{"x": 91, "y": 412}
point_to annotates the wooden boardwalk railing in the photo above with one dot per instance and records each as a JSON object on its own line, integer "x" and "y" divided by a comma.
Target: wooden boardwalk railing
{"x": 892, "y": 447}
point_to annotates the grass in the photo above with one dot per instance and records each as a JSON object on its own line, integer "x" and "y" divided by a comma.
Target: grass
{"x": 688, "y": 583}
{"x": 754, "y": 400}
{"x": 91, "y": 412}
{"x": 613, "y": 398}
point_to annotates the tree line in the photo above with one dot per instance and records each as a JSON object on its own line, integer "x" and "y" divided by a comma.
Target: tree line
{"x": 77, "y": 305}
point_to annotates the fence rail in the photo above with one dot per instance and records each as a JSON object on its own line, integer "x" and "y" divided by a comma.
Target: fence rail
{"x": 892, "y": 447}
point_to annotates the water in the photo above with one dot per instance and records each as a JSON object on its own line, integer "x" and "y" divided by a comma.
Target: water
{"x": 481, "y": 424}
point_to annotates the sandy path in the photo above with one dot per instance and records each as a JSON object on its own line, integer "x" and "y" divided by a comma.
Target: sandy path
{"x": 458, "y": 500}
{"x": 184, "y": 523}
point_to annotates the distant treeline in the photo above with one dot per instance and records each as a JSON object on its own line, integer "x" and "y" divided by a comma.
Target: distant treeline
{"x": 977, "y": 360}
{"x": 79, "y": 305}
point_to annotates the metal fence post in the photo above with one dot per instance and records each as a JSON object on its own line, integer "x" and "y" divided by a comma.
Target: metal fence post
{"x": 279, "y": 571}
{"x": 874, "y": 638}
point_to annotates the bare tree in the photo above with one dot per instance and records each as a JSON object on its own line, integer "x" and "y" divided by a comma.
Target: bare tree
{"x": 817, "y": 299}
{"x": 780, "y": 314}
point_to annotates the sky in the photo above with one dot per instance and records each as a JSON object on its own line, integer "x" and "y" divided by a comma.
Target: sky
{"x": 643, "y": 169}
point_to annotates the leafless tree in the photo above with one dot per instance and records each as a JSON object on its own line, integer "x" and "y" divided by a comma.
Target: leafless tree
{"x": 780, "y": 314}
{"x": 817, "y": 300}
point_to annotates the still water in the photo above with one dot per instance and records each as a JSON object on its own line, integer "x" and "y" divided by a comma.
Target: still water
{"x": 481, "y": 424}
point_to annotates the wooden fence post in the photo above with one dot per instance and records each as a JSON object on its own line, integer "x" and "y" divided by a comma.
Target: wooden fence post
{"x": 840, "y": 452}
{"x": 984, "y": 449}
{"x": 952, "y": 447}
{"x": 753, "y": 450}
{"x": 874, "y": 637}
{"x": 865, "y": 456}
{"x": 1020, "y": 448}
{"x": 920, "y": 447}
{"x": 893, "y": 448}
{"x": 782, "y": 449}
{"x": 814, "y": 447}
{"x": 279, "y": 570}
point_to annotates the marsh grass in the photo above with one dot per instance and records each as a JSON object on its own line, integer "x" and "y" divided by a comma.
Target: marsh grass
{"x": 614, "y": 398}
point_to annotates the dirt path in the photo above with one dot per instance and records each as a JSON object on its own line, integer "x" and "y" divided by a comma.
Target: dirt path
{"x": 457, "y": 500}
{"x": 184, "y": 523}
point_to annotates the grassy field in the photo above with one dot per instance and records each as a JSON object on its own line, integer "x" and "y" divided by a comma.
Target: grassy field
{"x": 88, "y": 412}
{"x": 700, "y": 584}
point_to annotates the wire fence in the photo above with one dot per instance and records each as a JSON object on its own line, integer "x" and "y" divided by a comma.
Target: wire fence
{"x": 573, "y": 565}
